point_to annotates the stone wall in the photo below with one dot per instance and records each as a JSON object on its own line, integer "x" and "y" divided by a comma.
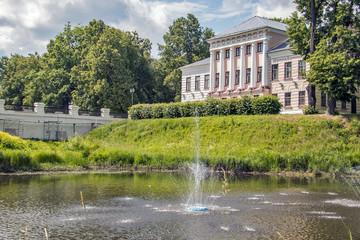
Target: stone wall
{"x": 50, "y": 126}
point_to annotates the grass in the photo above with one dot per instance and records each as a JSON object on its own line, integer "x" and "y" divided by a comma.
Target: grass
{"x": 314, "y": 143}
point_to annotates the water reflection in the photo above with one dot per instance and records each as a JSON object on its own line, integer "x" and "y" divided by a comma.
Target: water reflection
{"x": 152, "y": 206}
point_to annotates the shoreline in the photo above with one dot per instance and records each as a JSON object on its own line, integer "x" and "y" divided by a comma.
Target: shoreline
{"x": 122, "y": 170}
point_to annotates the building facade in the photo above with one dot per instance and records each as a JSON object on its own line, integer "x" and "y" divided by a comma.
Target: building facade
{"x": 254, "y": 59}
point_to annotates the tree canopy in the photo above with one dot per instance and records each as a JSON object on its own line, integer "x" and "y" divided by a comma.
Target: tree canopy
{"x": 185, "y": 43}
{"x": 327, "y": 34}
{"x": 93, "y": 66}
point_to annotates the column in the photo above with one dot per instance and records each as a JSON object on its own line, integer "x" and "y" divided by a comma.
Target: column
{"x": 253, "y": 66}
{"x": 264, "y": 81}
{"x": 242, "y": 67}
{"x": 105, "y": 112}
{"x": 2, "y": 105}
{"x": 39, "y": 108}
{"x": 221, "y": 75}
{"x": 73, "y": 110}
{"x": 212, "y": 80}
{"x": 232, "y": 71}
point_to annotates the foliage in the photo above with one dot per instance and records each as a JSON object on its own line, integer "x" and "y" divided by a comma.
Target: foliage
{"x": 327, "y": 34}
{"x": 209, "y": 107}
{"x": 246, "y": 143}
{"x": 93, "y": 66}
{"x": 307, "y": 110}
{"x": 185, "y": 43}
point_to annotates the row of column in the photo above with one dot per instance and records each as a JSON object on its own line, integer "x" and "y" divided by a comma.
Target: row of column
{"x": 253, "y": 67}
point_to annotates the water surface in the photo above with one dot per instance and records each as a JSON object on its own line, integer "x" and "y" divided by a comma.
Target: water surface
{"x": 152, "y": 206}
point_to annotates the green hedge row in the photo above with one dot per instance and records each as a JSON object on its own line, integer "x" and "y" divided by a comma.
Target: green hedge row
{"x": 209, "y": 107}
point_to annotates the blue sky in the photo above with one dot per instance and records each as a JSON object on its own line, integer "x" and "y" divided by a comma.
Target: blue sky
{"x": 26, "y": 26}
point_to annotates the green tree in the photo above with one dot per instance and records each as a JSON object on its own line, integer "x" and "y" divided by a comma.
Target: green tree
{"x": 335, "y": 65}
{"x": 185, "y": 43}
{"x": 326, "y": 33}
{"x": 93, "y": 66}
{"x": 305, "y": 32}
{"x": 16, "y": 73}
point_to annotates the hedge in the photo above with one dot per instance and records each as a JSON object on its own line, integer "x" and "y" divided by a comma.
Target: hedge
{"x": 209, "y": 107}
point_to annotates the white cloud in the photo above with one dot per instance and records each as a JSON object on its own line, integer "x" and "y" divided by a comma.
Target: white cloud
{"x": 228, "y": 9}
{"x": 27, "y": 26}
{"x": 274, "y": 8}
{"x": 152, "y": 19}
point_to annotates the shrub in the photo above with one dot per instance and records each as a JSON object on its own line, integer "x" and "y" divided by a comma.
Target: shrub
{"x": 142, "y": 160}
{"x": 47, "y": 157}
{"x": 266, "y": 105}
{"x": 307, "y": 110}
{"x": 11, "y": 142}
{"x": 20, "y": 160}
{"x": 244, "y": 106}
{"x": 209, "y": 107}
{"x": 157, "y": 111}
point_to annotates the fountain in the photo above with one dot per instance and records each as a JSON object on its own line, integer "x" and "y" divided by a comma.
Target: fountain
{"x": 195, "y": 201}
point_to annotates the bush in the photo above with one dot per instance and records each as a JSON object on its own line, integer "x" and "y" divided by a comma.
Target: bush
{"x": 20, "y": 160}
{"x": 47, "y": 157}
{"x": 142, "y": 160}
{"x": 209, "y": 107}
{"x": 266, "y": 105}
{"x": 307, "y": 110}
{"x": 244, "y": 106}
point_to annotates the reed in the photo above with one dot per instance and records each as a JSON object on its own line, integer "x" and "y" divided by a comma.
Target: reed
{"x": 82, "y": 199}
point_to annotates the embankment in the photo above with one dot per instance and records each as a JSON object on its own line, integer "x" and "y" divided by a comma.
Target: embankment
{"x": 264, "y": 143}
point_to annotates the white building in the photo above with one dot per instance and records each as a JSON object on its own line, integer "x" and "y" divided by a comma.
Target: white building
{"x": 252, "y": 58}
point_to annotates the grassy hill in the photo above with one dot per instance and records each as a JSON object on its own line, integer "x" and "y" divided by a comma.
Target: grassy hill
{"x": 316, "y": 143}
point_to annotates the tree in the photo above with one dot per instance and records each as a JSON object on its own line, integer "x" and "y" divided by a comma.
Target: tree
{"x": 93, "y": 66}
{"x": 16, "y": 73}
{"x": 327, "y": 36}
{"x": 304, "y": 32}
{"x": 185, "y": 43}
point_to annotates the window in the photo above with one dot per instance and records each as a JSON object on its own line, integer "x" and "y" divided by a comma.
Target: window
{"x": 302, "y": 69}
{"x": 259, "y": 74}
{"x": 343, "y": 105}
{"x": 248, "y": 49}
{"x": 197, "y": 83}
{"x": 287, "y": 70}
{"x": 217, "y": 80}
{"x": 227, "y": 78}
{"x": 188, "y": 84}
{"x": 227, "y": 53}
{"x": 217, "y": 55}
{"x": 274, "y": 71}
{"x": 287, "y": 99}
{"x": 275, "y": 95}
{"x": 237, "y": 77}
{"x": 206, "y": 81}
{"x": 323, "y": 99}
{"x": 248, "y": 72}
{"x": 259, "y": 47}
{"x": 256, "y": 96}
{"x": 301, "y": 98}
{"x": 237, "y": 51}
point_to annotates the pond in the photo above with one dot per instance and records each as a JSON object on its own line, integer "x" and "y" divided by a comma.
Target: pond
{"x": 152, "y": 206}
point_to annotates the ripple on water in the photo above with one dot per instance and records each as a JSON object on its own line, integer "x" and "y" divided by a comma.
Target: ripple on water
{"x": 344, "y": 202}
{"x": 122, "y": 221}
{"x": 249, "y": 229}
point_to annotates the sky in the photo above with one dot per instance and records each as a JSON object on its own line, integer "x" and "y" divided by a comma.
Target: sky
{"x": 26, "y": 26}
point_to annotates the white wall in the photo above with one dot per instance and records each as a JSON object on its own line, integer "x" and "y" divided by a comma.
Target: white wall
{"x": 50, "y": 126}
{"x": 194, "y": 95}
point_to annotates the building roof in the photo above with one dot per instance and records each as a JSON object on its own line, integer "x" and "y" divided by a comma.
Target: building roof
{"x": 281, "y": 46}
{"x": 252, "y": 24}
{"x": 198, "y": 63}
